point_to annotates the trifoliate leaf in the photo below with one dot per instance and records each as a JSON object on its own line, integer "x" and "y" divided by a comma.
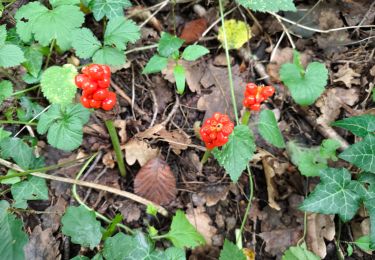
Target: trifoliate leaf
{"x": 230, "y": 252}
{"x": 361, "y": 154}
{"x": 120, "y": 31}
{"x": 179, "y": 75}
{"x": 13, "y": 238}
{"x": 58, "y": 84}
{"x": 64, "y": 126}
{"x": 4, "y": 134}
{"x": 268, "y": 6}
{"x": 183, "y": 234}
{"x": 81, "y": 225}
{"x": 28, "y": 109}
{"x": 305, "y": 86}
{"x": 169, "y": 44}
{"x": 34, "y": 60}
{"x": 299, "y": 253}
{"x": 85, "y": 43}
{"x": 269, "y": 129}
{"x": 34, "y": 188}
{"x": 237, "y": 152}
{"x": 194, "y": 52}
{"x": 10, "y": 55}
{"x": 358, "y": 125}
{"x": 237, "y": 32}
{"x": 6, "y": 90}
{"x": 110, "y": 56}
{"x": 16, "y": 149}
{"x": 109, "y": 8}
{"x": 155, "y": 64}
{"x": 335, "y": 194}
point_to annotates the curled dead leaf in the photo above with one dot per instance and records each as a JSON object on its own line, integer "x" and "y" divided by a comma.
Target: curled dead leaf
{"x": 108, "y": 160}
{"x": 156, "y": 182}
{"x": 202, "y": 222}
{"x": 269, "y": 172}
{"x": 193, "y": 30}
{"x": 138, "y": 150}
{"x": 347, "y": 75}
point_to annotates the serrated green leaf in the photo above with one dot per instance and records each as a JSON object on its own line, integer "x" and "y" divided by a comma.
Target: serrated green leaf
{"x": 169, "y": 44}
{"x": 109, "y": 56}
{"x": 304, "y": 87}
{"x": 120, "y": 31}
{"x": 4, "y": 134}
{"x": 237, "y": 33}
{"x": 179, "y": 75}
{"x": 109, "y": 8}
{"x": 34, "y": 188}
{"x": 58, "y": 84}
{"x": 29, "y": 109}
{"x": 335, "y": 194}
{"x": 13, "y": 238}
{"x": 361, "y": 154}
{"x": 183, "y": 234}
{"x": 268, "y": 6}
{"x": 34, "y": 61}
{"x": 230, "y": 252}
{"x": 6, "y": 90}
{"x": 363, "y": 243}
{"x": 237, "y": 152}
{"x": 269, "y": 129}
{"x": 10, "y": 55}
{"x": 194, "y": 52}
{"x": 16, "y": 149}
{"x": 81, "y": 225}
{"x": 3, "y": 34}
{"x": 299, "y": 253}
{"x": 155, "y": 64}
{"x": 85, "y": 43}
{"x": 56, "y": 3}
{"x": 358, "y": 125}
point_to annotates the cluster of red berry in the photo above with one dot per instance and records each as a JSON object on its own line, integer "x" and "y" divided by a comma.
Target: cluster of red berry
{"x": 94, "y": 81}
{"x": 215, "y": 130}
{"x": 255, "y": 95}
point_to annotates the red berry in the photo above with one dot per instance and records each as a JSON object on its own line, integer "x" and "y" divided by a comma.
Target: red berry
{"x": 101, "y": 94}
{"x": 104, "y": 83}
{"x": 106, "y": 71}
{"x": 254, "y": 95}
{"x": 95, "y": 103}
{"x": 109, "y": 102}
{"x": 85, "y": 70}
{"x": 90, "y": 88}
{"x": 255, "y": 107}
{"x": 268, "y": 91}
{"x": 85, "y": 102}
{"x": 81, "y": 80}
{"x": 95, "y": 72}
{"x": 215, "y": 130}
{"x": 251, "y": 89}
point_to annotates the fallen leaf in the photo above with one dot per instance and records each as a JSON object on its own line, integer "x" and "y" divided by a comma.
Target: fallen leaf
{"x": 51, "y": 217}
{"x": 42, "y": 245}
{"x": 277, "y": 241}
{"x": 193, "y": 30}
{"x": 130, "y": 211}
{"x": 156, "y": 182}
{"x": 202, "y": 222}
{"x": 221, "y": 60}
{"x": 108, "y": 160}
{"x": 347, "y": 75}
{"x": 269, "y": 173}
{"x": 162, "y": 92}
{"x": 143, "y": 14}
{"x": 213, "y": 194}
{"x": 138, "y": 150}
{"x": 121, "y": 125}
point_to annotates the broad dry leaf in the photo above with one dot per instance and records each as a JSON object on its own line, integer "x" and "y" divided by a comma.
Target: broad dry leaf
{"x": 347, "y": 75}
{"x": 138, "y": 150}
{"x": 162, "y": 92}
{"x": 42, "y": 245}
{"x": 156, "y": 182}
{"x": 193, "y": 30}
{"x": 202, "y": 222}
{"x": 108, "y": 160}
{"x": 277, "y": 241}
{"x": 213, "y": 194}
{"x": 130, "y": 211}
{"x": 269, "y": 172}
{"x": 142, "y": 13}
{"x": 319, "y": 227}
{"x": 51, "y": 217}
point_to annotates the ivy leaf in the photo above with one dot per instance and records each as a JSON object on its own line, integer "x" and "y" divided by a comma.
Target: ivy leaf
{"x": 268, "y": 6}
{"x": 85, "y": 43}
{"x": 179, "y": 75}
{"x": 58, "y": 84}
{"x": 230, "y": 251}
{"x": 305, "y": 86}
{"x": 358, "y": 125}
{"x": 81, "y": 225}
{"x": 183, "y": 234}
{"x": 120, "y": 31}
{"x": 155, "y": 64}
{"x": 174, "y": 253}
{"x": 6, "y": 90}
{"x": 169, "y": 44}
{"x": 237, "y": 32}
{"x": 110, "y": 56}
{"x": 361, "y": 154}
{"x": 34, "y": 188}
{"x": 19, "y": 151}
{"x": 237, "y": 152}
{"x": 13, "y": 238}
{"x": 194, "y": 52}
{"x": 34, "y": 60}
{"x": 109, "y": 8}
{"x": 269, "y": 129}
{"x": 335, "y": 194}
{"x": 299, "y": 253}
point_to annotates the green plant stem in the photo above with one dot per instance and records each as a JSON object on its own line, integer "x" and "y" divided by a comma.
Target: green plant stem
{"x": 143, "y": 48}
{"x": 159, "y": 237}
{"x": 14, "y": 122}
{"x": 338, "y": 241}
{"x": 246, "y": 117}
{"x": 116, "y": 147}
{"x": 50, "y": 53}
{"x": 4, "y": 192}
{"x": 206, "y": 155}
{"x": 304, "y": 230}
{"x": 25, "y": 90}
{"x": 228, "y": 63}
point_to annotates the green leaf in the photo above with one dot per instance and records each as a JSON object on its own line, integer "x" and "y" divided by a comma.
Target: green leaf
{"x": 230, "y": 252}
{"x": 349, "y": 250}
{"x": 120, "y": 31}
{"x": 194, "y": 52}
{"x": 361, "y": 154}
{"x": 6, "y": 90}
{"x": 237, "y": 152}
{"x": 56, "y": 3}
{"x": 155, "y": 64}
{"x": 81, "y": 225}
{"x": 4, "y": 134}
{"x": 34, "y": 61}
{"x": 335, "y": 194}
{"x": 16, "y": 149}
{"x": 3, "y": 34}
{"x": 34, "y": 188}
{"x": 358, "y": 125}
{"x": 80, "y": 257}
{"x": 328, "y": 149}
{"x": 58, "y": 84}
{"x": 10, "y": 55}
{"x": 183, "y": 234}
{"x": 29, "y": 109}
{"x": 47, "y": 25}
{"x": 109, "y": 8}
{"x": 169, "y": 44}
{"x": 179, "y": 75}
{"x": 85, "y": 43}
{"x": 363, "y": 243}
{"x": 151, "y": 210}
{"x": 13, "y": 238}
{"x": 174, "y": 253}
{"x": 268, "y": 6}
{"x": 305, "y": 87}
{"x": 64, "y": 126}
{"x": 110, "y": 56}
{"x": 237, "y": 32}
{"x": 11, "y": 180}
{"x": 299, "y": 253}
{"x": 269, "y": 129}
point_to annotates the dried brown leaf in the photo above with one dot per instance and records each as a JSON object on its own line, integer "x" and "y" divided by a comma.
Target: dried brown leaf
{"x": 213, "y": 194}
{"x": 269, "y": 172}
{"x": 42, "y": 245}
{"x": 121, "y": 125}
{"x": 193, "y": 30}
{"x": 108, "y": 160}
{"x": 156, "y": 182}
{"x": 202, "y": 222}
{"x": 138, "y": 150}
{"x": 142, "y": 13}
{"x": 277, "y": 241}
{"x": 51, "y": 219}
{"x": 347, "y": 75}
{"x": 130, "y": 211}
